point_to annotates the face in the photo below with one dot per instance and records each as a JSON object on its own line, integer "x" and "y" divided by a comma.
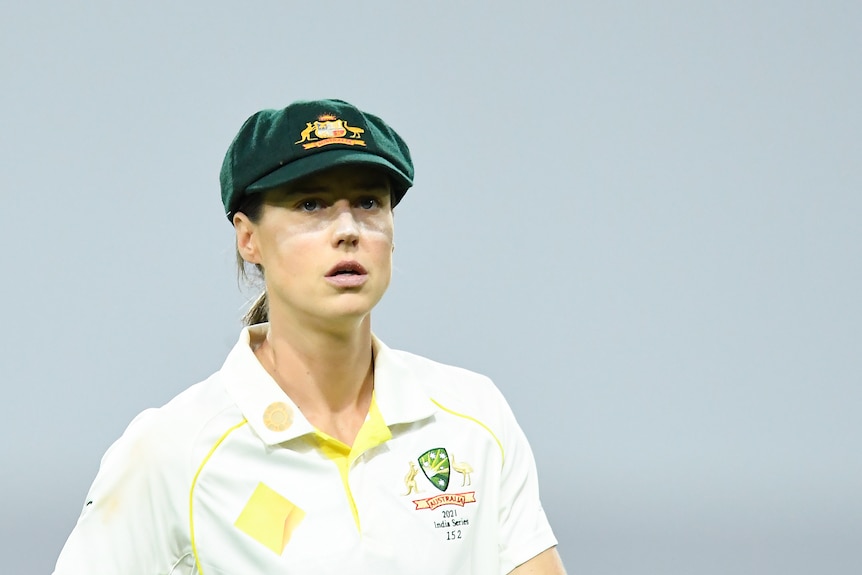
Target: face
{"x": 325, "y": 244}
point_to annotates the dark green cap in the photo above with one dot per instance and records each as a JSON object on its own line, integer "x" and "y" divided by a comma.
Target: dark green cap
{"x": 275, "y": 147}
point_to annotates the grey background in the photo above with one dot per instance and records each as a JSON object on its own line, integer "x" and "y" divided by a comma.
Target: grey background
{"x": 640, "y": 218}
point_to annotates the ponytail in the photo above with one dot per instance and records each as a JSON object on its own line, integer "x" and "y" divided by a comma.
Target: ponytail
{"x": 252, "y": 206}
{"x": 258, "y": 312}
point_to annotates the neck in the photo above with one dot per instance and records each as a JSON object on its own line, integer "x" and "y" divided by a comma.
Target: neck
{"x": 327, "y": 373}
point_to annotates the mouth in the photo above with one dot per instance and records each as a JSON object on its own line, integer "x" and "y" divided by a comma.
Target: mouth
{"x": 350, "y": 268}
{"x": 347, "y": 275}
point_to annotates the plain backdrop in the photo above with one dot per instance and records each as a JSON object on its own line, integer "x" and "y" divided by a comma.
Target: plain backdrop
{"x": 641, "y": 218}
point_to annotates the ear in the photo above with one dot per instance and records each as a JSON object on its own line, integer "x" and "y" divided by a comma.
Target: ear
{"x": 246, "y": 238}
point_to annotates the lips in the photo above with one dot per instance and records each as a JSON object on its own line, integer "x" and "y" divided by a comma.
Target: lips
{"x": 346, "y": 268}
{"x": 347, "y": 274}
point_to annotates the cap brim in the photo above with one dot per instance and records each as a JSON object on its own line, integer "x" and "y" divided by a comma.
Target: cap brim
{"x": 330, "y": 159}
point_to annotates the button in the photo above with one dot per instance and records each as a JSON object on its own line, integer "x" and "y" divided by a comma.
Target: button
{"x": 278, "y": 416}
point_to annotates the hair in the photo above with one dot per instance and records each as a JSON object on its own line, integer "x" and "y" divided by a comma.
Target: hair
{"x": 252, "y": 206}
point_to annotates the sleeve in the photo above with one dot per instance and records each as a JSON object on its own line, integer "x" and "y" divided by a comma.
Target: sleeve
{"x": 524, "y": 528}
{"x": 132, "y": 519}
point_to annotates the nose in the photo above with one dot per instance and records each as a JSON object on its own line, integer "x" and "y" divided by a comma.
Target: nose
{"x": 346, "y": 230}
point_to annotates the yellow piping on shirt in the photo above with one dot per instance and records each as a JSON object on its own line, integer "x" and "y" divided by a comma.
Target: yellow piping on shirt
{"x": 339, "y": 453}
{"x": 373, "y": 432}
{"x": 192, "y": 491}
{"x": 474, "y": 420}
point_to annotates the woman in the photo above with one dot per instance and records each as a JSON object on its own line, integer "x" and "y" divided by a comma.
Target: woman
{"x": 317, "y": 449}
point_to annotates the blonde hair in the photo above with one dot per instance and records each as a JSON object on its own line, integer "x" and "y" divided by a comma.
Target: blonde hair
{"x": 258, "y": 312}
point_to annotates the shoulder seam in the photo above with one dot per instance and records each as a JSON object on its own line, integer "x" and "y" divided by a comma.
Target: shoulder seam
{"x": 194, "y": 484}
{"x": 474, "y": 420}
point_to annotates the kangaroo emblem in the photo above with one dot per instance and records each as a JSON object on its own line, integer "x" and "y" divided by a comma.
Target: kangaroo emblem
{"x": 410, "y": 479}
{"x": 306, "y": 133}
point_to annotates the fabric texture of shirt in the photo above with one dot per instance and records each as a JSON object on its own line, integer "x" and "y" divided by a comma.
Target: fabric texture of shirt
{"x": 229, "y": 478}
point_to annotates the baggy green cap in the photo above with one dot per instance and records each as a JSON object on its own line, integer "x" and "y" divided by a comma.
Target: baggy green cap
{"x": 276, "y": 147}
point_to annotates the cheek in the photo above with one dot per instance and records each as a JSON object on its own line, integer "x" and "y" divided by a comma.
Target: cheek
{"x": 377, "y": 236}
{"x": 379, "y": 228}
{"x": 284, "y": 253}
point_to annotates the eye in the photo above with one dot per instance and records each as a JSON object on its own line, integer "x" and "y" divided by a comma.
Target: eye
{"x": 309, "y": 205}
{"x": 368, "y": 203}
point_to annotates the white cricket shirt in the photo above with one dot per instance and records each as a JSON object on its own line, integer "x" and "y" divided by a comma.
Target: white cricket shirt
{"x": 230, "y": 479}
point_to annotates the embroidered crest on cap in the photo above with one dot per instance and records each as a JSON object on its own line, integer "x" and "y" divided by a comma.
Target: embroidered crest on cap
{"x": 329, "y": 129}
{"x": 278, "y": 416}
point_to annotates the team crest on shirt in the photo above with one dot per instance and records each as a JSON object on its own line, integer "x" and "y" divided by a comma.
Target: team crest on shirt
{"x": 329, "y": 129}
{"x": 437, "y": 466}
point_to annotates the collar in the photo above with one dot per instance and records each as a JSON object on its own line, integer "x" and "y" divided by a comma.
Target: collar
{"x": 275, "y": 418}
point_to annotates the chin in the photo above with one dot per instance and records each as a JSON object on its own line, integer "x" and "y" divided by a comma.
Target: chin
{"x": 351, "y": 307}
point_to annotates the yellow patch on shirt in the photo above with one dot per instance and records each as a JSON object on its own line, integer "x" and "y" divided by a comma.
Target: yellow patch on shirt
{"x": 269, "y": 518}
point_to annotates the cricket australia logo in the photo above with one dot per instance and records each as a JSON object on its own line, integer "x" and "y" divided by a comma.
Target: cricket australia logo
{"x": 329, "y": 129}
{"x": 435, "y": 466}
